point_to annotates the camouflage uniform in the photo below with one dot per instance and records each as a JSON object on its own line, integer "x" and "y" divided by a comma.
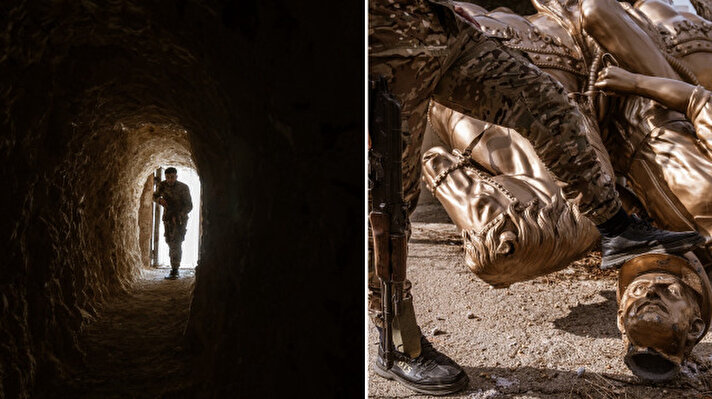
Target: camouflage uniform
{"x": 175, "y": 216}
{"x": 425, "y": 52}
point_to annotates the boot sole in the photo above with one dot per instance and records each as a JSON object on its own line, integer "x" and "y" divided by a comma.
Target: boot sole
{"x": 675, "y": 248}
{"x": 437, "y": 390}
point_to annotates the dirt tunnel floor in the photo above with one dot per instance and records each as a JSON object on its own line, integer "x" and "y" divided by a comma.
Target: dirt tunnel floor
{"x": 530, "y": 340}
{"x": 134, "y": 349}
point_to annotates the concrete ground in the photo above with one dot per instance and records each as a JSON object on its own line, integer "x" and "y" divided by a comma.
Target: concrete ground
{"x": 552, "y": 337}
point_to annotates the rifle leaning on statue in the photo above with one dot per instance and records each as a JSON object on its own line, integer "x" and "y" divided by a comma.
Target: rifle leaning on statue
{"x": 388, "y": 219}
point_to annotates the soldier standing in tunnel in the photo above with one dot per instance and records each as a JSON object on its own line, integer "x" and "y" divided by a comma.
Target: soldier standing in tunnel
{"x": 432, "y": 49}
{"x": 174, "y": 196}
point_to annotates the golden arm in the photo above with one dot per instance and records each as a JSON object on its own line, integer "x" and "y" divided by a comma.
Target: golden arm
{"x": 674, "y": 94}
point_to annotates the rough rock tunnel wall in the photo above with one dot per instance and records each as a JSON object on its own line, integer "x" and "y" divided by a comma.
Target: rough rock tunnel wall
{"x": 96, "y": 95}
{"x": 145, "y": 221}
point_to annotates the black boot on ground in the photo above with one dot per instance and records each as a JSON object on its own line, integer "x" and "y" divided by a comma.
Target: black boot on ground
{"x": 625, "y": 237}
{"x": 172, "y": 275}
{"x": 432, "y": 372}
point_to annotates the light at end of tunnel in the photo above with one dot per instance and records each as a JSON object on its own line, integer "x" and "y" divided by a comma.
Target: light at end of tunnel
{"x": 192, "y": 236}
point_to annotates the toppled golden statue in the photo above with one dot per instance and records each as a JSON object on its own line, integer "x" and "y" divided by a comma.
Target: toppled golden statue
{"x": 515, "y": 222}
{"x": 508, "y": 207}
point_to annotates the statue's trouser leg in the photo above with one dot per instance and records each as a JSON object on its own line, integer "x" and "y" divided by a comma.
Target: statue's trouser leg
{"x": 480, "y": 78}
{"x": 669, "y": 171}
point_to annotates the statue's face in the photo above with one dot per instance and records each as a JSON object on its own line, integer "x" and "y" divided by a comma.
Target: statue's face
{"x": 659, "y": 311}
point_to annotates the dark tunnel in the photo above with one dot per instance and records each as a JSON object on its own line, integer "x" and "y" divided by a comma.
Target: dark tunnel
{"x": 265, "y": 105}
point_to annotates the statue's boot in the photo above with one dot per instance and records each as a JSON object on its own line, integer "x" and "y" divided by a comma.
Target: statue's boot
{"x": 639, "y": 237}
{"x": 432, "y": 372}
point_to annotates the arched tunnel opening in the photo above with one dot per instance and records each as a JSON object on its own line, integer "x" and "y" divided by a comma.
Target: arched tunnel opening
{"x": 95, "y": 98}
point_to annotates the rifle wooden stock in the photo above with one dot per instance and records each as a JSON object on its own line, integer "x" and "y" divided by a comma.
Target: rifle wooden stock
{"x": 380, "y": 226}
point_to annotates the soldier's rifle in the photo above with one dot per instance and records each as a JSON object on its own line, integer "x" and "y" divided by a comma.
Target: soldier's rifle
{"x": 388, "y": 211}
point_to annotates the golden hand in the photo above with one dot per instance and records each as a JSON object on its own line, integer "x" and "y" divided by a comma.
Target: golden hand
{"x": 613, "y": 79}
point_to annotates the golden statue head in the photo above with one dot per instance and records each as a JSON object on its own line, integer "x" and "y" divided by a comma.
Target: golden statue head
{"x": 663, "y": 312}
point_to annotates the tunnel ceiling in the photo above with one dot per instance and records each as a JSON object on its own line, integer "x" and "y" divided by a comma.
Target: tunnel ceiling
{"x": 95, "y": 95}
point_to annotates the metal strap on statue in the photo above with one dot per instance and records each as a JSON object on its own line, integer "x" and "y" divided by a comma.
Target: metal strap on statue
{"x": 599, "y": 62}
{"x": 464, "y": 159}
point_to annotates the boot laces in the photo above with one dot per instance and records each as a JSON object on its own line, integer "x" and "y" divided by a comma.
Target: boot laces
{"x": 430, "y": 355}
{"x": 642, "y": 225}
{"x": 423, "y": 361}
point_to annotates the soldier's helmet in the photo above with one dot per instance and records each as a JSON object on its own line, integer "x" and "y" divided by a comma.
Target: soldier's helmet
{"x": 664, "y": 311}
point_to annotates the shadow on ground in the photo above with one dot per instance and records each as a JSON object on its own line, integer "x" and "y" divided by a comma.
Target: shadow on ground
{"x": 546, "y": 383}
{"x": 578, "y": 321}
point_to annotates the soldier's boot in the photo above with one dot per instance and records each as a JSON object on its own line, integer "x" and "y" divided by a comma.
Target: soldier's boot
{"x": 431, "y": 373}
{"x": 173, "y": 274}
{"x": 174, "y": 252}
{"x": 632, "y": 236}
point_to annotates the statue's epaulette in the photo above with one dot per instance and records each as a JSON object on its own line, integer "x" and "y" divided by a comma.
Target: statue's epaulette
{"x": 546, "y": 51}
{"x": 685, "y": 37}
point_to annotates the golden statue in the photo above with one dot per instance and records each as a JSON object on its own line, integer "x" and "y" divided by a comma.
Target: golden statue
{"x": 514, "y": 220}
{"x": 656, "y": 148}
